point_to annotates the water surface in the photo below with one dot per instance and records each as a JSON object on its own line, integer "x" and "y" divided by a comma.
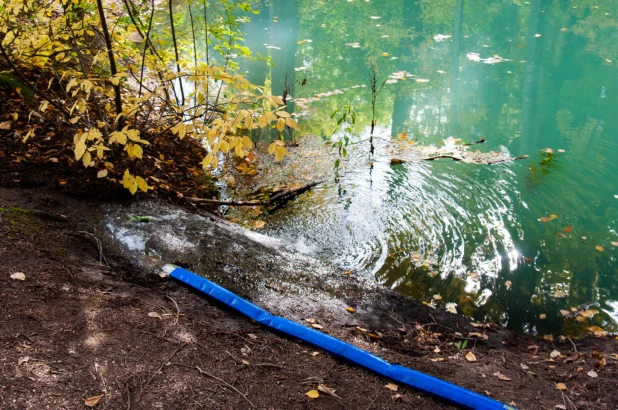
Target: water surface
{"x": 526, "y": 76}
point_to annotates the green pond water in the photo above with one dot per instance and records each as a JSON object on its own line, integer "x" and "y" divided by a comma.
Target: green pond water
{"x": 525, "y": 76}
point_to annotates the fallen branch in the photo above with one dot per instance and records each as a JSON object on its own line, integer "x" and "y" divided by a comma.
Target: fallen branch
{"x": 226, "y": 384}
{"x": 508, "y": 159}
{"x": 454, "y": 158}
{"x": 278, "y": 197}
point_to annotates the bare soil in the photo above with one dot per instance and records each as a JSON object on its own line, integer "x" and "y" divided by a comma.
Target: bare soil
{"x": 81, "y": 325}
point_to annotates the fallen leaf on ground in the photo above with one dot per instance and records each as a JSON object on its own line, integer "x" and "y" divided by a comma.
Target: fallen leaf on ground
{"x": 437, "y": 297}
{"x": 92, "y": 401}
{"x": 524, "y": 367}
{"x": 555, "y": 354}
{"x": 259, "y": 224}
{"x": 471, "y": 357}
{"x": 328, "y": 390}
{"x": 548, "y": 337}
{"x": 18, "y": 276}
{"x": 561, "y": 386}
{"x": 102, "y": 173}
{"x": 592, "y": 374}
{"x": 315, "y": 353}
{"x": 560, "y": 407}
{"x": 23, "y": 360}
{"x": 155, "y": 314}
{"x": 599, "y": 248}
{"x": 392, "y": 386}
{"x": 312, "y": 394}
{"x": 310, "y": 320}
{"x": 502, "y": 377}
{"x": 565, "y": 312}
{"x": 350, "y": 309}
{"x": 5, "y": 125}
{"x": 542, "y": 316}
{"x": 437, "y": 359}
{"x": 252, "y": 336}
{"x": 316, "y": 326}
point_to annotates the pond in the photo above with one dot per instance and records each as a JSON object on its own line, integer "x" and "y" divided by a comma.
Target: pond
{"x": 528, "y": 243}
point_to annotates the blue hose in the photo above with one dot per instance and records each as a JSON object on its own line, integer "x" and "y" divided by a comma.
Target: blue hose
{"x": 427, "y": 384}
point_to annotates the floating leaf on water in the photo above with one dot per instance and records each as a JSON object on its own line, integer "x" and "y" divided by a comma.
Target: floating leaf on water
{"x": 588, "y": 313}
{"x": 614, "y": 243}
{"x": 502, "y": 377}
{"x": 599, "y": 248}
{"x": 312, "y": 394}
{"x": 553, "y": 216}
{"x": 563, "y": 29}
{"x": 567, "y": 229}
{"x": 545, "y": 219}
{"x": 470, "y": 357}
{"x": 392, "y": 386}
{"x": 561, "y": 386}
{"x": 93, "y": 401}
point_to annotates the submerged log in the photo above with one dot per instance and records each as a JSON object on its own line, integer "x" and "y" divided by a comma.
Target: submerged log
{"x": 281, "y": 196}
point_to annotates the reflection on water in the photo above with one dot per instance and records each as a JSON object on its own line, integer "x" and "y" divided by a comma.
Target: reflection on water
{"x": 523, "y": 75}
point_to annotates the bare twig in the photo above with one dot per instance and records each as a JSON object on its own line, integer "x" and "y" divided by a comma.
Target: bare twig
{"x": 99, "y": 246}
{"x": 226, "y": 384}
{"x": 177, "y": 309}
{"x": 159, "y": 370}
{"x": 278, "y": 197}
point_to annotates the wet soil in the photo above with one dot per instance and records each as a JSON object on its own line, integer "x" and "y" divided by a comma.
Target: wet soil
{"x": 87, "y": 321}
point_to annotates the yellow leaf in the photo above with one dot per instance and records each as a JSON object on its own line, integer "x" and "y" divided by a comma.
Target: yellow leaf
{"x": 280, "y": 125}
{"x": 543, "y": 316}
{"x": 93, "y": 401}
{"x": 599, "y": 248}
{"x": 80, "y": 146}
{"x": 74, "y": 120}
{"x": 553, "y": 216}
{"x": 471, "y": 357}
{"x": 350, "y": 309}
{"x": 246, "y": 141}
{"x": 115, "y": 80}
{"x": 259, "y": 224}
{"x": 280, "y": 152}
{"x": 392, "y": 386}
{"x": 86, "y": 159}
{"x": 312, "y": 394}
{"x": 119, "y": 137}
{"x": 102, "y": 173}
{"x": 561, "y": 386}
{"x": 129, "y": 182}
{"x": 283, "y": 114}
{"x": 141, "y": 184}
{"x": 292, "y": 124}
